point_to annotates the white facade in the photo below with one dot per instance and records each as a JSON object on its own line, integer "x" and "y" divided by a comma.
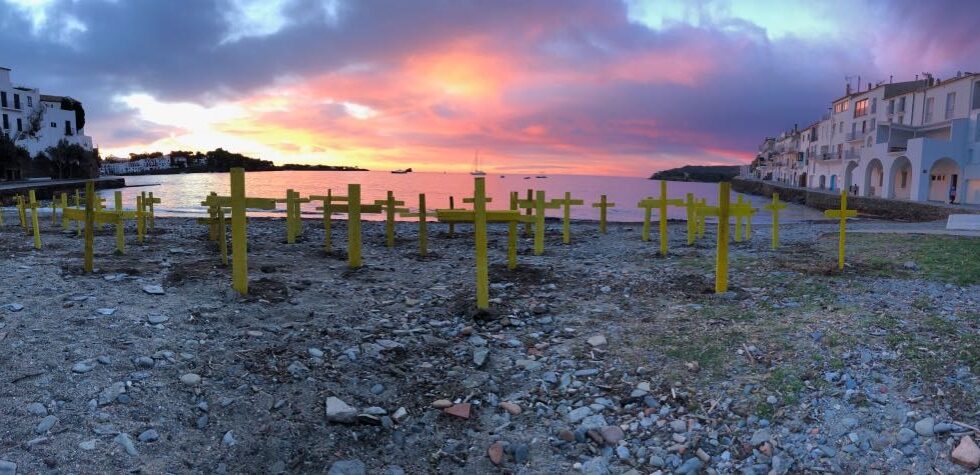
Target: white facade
{"x": 122, "y": 166}
{"x": 36, "y": 121}
{"x": 915, "y": 140}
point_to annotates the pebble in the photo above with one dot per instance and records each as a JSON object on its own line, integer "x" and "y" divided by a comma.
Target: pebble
{"x": 441, "y": 403}
{"x": 229, "y": 439}
{"x": 459, "y": 410}
{"x": 153, "y": 289}
{"x": 905, "y": 435}
{"x": 577, "y": 414}
{"x": 157, "y": 319}
{"x": 123, "y": 440}
{"x": 37, "y": 409}
{"x": 315, "y": 352}
{"x": 595, "y": 466}
{"x": 678, "y": 426}
{"x": 149, "y": 435}
{"x": 144, "y": 362}
{"x": 82, "y": 367}
{"x": 347, "y": 467}
{"x": 597, "y": 340}
{"x": 925, "y": 427}
{"x": 511, "y": 408}
{"x": 339, "y": 411}
{"x": 105, "y": 311}
{"x": 521, "y": 453}
{"x": 760, "y": 436}
{"x": 480, "y": 356}
{"x": 690, "y": 466}
{"x": 967, "y": 453}
{"x": 191, "y": 379}
{"x": 496, "y": 452}
{"x": 612, "y": 434}
{"x": 13, "y": 307}
{"x": 88, "y": 444}
{"x": 46, "y": 424}
{"x": 623, "y": 452}
{"x": 8, "y": 468}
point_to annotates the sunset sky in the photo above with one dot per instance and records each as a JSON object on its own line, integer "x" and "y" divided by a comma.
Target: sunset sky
{"x": 565, "y": 86}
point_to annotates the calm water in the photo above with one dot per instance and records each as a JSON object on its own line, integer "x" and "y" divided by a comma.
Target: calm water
{"x": 182, "y": 194}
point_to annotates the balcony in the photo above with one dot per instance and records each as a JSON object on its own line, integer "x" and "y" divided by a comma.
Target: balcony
{"x": 851, "y": 155}
{"x": 854, "y": 136}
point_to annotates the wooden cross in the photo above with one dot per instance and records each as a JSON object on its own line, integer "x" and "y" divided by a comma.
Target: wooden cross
{"x": 528, "y": 212}
{"x": 390, "y": 206}
{"x": 294, "y": 218}
{"x": 148, "y": 202}
{"x": 721, "y": 255}
{"x": 692, "y": 218}
{"x": 22, "y": 212}
{"x": 328, "y": 211}
{"x": 452, "y": 226}
{"x": 354, "y": 209}
{"x": 88, "y": 216}
{"x": 239, "y": 205}
{"x": 775, "y": 207}
{"x": 423, "y": 231}
{"x": 842, "y": 213}
{"x": 217, "y": 224}
{"x": 743, "y": 211}
{"x": 539, "y": 205}
{"x": 479, "y": 216}
{"x": 603, "y": 205}
{"x": 34, "y": 221}
{"x": 701, "y": 218}
{"x": 566, "y": 204}
{"x": 648, "y": 204}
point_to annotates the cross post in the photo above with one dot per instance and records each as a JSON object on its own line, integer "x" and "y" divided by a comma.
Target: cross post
{"x": 566, "y": 204}
{"x": 34, "y": 220}
{"x": 603, "y": 206}
{"x": 391, "y": 207}
{"x": 842, "y": 214}
{"x": 422, "y": 214}
{"x": 775, "y": 207}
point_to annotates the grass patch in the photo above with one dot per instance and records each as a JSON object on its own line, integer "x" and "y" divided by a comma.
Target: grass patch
{"x": 950, "y": 259}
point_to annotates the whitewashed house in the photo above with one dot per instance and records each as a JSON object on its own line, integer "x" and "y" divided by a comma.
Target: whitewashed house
{"x": 915, "y": 140}
{"x": 37, "y": 121}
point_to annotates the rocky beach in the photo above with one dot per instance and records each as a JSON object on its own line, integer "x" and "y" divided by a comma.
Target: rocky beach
{"x": 597, "y": 357}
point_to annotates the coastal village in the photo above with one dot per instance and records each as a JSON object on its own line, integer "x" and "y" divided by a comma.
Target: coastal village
{"x": 352, "y": 336}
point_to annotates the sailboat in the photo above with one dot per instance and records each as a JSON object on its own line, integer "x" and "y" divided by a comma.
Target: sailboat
{"x": 476, "y": 165}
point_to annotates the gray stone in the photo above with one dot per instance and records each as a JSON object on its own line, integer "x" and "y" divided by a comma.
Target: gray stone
{"x": 347, "y": 467}
{"x": 943, "y": 428}
{"x": 760, "y": 436}
{"x": 339, "y": 411}
{"x": 191, "y": 379}
{"x": 925, "y": 427}
{"x": 157, "y": 319}
{"x": 88, "y": 444}
{"x": 126, "y": 443}
{"x": 315, "y": 352}
{"x": 13, "y": 307}
{"x": 480, "y": 356}
{"x": 37, "y": 409}
{"x": 678, "y": 426}
{"x": 596, "y": 466}
{"x": 578, "y": 414}
{"x": 46, "y": 424}
{"x": 689, "y": 467}
{"x": 144, "y": 362}
{"x": 149, "y": 435}
{"x": 597, "y": 340}
{"x": 109, "y": 394}
{"x": 153, "y": 289}
{"x": 105, "y": 312}
{"x": 612, "y": 434}
{"x": 905, "y": 435}
{"x": 229, "y": 439}
{"x": 623, "y": 452}
{"x": 594, "y": 421}
{"x": 8, "y": 468}
{"x": 82, "y": 367}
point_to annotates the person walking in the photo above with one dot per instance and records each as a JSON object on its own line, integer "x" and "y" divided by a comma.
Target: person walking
{"x": 952, "y": 193}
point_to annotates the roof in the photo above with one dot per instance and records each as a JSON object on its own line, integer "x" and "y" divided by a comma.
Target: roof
{"x": 5, "y": 69}
{"x": 47, "y": 98}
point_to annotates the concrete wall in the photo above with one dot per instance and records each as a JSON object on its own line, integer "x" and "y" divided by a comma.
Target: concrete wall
{"x": 869, "y": 206}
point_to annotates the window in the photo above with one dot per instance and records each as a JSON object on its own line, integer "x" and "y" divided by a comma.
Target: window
{"x": 840, "y": 107}
{"x": 873, "y": 123}
{"x": 3, "y": 99}
{"x": 20, "y": 125}
{"x": 891, "y": 107}
{"x": 54, "y": 125}
{"x": 833, "y": 128}
{"x": 901, "y": 119}
{"x": 976, "y": 95}
{"x": 30, "y": 101}
{"x": 901, "y": 104}
{"x": 6, "y": 122}
{"x": 861, "y": 108}
{"x": 874, "y": 105}
{"x": 68, "y": 127}
{"x": 927, "y": 114}
{"x": 16, "y": 101}
{"x": 864, "y": 126}
{"x": 950, "y": 105}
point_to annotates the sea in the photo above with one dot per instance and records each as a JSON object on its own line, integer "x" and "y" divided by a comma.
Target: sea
{"x": 181, "y": 195}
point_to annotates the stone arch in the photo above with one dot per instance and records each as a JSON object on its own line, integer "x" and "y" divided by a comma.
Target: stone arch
{"x": 874, "y": 178}
{"x": 901, "y": 179}
{"x": 942, "y": 175}
{"x": 823, "y": 181}
{"x": 849, "y": 175}
{"x": 833, "y": 183}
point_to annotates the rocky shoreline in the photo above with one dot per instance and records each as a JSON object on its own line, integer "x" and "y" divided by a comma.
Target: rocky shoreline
{"x": 597, "y": 357}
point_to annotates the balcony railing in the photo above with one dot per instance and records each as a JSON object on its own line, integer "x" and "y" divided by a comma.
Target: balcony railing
{"x": 851, "y": 155}
{"x": 854, "y": 136}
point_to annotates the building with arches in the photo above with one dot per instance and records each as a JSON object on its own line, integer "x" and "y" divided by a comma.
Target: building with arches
{"x": 915, "y": 140}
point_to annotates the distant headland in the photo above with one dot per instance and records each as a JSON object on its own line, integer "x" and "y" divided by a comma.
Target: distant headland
{"x": 215, "y": 161}
{"x": 700, "y": 173}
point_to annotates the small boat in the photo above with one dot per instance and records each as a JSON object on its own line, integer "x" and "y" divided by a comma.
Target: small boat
{"x": 527, "y": 178}
{"x": 541, "y": 176}
{"x": 503, "y": 176}
{"x": 476, "y": 166}
{"x": 402, "y": 172}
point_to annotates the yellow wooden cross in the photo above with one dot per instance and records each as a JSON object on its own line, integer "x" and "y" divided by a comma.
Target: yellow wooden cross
{"x": 239, "y": 205}
{"x": 88, "y": 215}
{"x": 661, "y": 204}
{"x": 452, "y": 226}
{"x": 327, "y": 209}
{"x": 390, "y": 206}
{"x": 721, "y": 255}
{"x": 55, "y": 204}
{"x": 566, "y": 204}
{"x": 528, "y": 212}
{"x": 603, "y": 205}
{"x": 479, "y": 216}
{"x": 701, "y": 218}
{"x": 539, "y": 205}
{"x": 22, "y": 212}
{"x": 842, "y": 213}
{"x": 423, "y": 230}
{"x": 775, "y": 207}
{"x": 217, "y": 224}
{"x": 354, "y": 209}
{"x": 692, "y": 218}
{"x": 743, "y": 211}
{"x": 34, "y": 221}
{"x": 148, "y": 202}
{"x": 294, "y": 218}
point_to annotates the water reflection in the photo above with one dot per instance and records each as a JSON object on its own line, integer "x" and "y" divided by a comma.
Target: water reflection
{"x": 182, "y": 194}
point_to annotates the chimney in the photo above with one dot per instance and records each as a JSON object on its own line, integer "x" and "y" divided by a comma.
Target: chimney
{"x": 890, "y": 76}
{"x": 869, "y": 86}
{"x": 847, "y": 90}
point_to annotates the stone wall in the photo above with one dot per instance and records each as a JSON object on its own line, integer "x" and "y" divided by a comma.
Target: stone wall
{"x": 898, "y": 210}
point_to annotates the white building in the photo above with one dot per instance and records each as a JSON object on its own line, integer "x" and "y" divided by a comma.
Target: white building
{"x": 37, "y": 121}
{"x": 915, "y": 140}
{"x": 124, "y": 166}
